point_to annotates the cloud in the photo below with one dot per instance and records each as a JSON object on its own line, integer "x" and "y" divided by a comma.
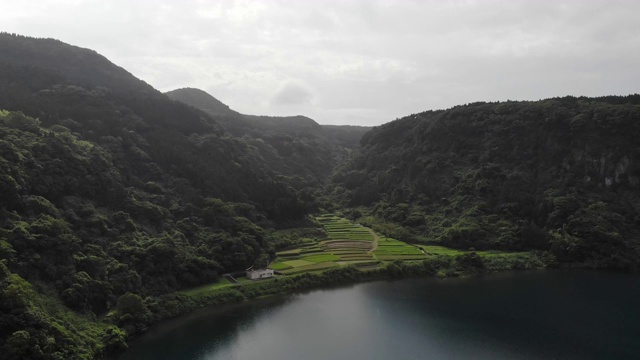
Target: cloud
{"x": 382, "y": 58}
{"x": 293, "y": 93}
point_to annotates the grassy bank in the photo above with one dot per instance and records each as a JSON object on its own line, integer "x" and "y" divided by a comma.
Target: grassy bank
{"x": 344, "y": 253}
{"x": 180, "y": 303}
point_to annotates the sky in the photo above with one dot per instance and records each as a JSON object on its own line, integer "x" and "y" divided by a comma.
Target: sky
{"x": 356, "y": 62}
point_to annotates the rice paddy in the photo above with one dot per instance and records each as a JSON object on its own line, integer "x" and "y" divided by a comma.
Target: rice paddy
{"x": 391, "y": 249}
{"x": 441, "y": 250}
{"x": 346, "y": 243}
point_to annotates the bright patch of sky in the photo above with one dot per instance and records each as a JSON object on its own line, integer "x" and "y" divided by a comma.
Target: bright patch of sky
{"x": 361, "y": 62}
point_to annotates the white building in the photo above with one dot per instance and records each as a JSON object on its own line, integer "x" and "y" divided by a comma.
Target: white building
{"x": 259, "y": 274}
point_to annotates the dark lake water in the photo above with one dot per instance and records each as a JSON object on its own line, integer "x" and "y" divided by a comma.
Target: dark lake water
{"x": 564, "y": 314}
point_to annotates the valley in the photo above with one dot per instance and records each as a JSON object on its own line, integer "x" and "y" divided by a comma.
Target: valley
{"x": 122, "y": 206}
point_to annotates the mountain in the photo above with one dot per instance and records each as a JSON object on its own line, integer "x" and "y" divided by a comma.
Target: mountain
{"x": 116, "y": 107}
{"x": 559, "y": 175}
{"x": 111, "y": 193}
{"x": 201, "y": 100}
{"x": 79, "y": 66}
{"x": 296, "y": 147}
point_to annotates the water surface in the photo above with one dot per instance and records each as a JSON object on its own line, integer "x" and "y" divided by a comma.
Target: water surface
{"x": 527, "y": 315}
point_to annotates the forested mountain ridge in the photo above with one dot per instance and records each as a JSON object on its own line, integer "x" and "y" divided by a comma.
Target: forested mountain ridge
{"x": 169, "y": 134}
{"x": 201, "y": 100}
{"x": 296, "y": 147}
{"x": 77, "y": 65}
{"x": 559, "y": 175}
{"x": 111, "y": 193}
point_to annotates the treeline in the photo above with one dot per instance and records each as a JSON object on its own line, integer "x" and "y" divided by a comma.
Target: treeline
{"x": 561, "y": 175}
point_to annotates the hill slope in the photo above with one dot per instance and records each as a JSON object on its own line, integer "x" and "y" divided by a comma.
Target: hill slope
{"x": 111, "y": 193}
{"x": 560, "y": 175}
{"x": 296, "y": 147}
{"x": 201, "y": 100}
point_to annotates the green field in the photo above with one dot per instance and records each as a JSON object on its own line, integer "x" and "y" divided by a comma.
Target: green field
{"x": 392, "y": 249}
{"x": 321, "y": 258}
{"x": 293, "y": 252}
{"x": 347, "y": 243}
{"x": 312, "y": 267}
{"x": 223, "y": 282}
{"x": 297, "y": 263}
{"x": 279, "y": 266}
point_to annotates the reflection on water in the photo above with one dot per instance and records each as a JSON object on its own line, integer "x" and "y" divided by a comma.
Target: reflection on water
{"x": 533, "y": 315}
{"x": 196, "y": 335}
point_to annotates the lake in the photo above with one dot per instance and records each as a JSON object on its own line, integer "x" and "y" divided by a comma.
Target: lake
{"x": 562, "y": 314}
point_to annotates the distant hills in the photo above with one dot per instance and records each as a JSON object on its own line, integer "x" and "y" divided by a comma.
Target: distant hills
{"x": 201, "y": 100}
{"x": 294, "y": 146}
{"x": 347, "y": 136}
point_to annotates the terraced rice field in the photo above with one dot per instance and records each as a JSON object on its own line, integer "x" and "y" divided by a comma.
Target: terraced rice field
{"x": 441, "y": 250}
{"x": 392, "y": 249}
{"x": 303, "y": 259}
{"x": 347, "y": 243}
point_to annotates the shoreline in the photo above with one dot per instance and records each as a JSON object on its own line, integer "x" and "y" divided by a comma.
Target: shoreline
{"x": 220, "y": 332}
{"x": 178, "y": 305}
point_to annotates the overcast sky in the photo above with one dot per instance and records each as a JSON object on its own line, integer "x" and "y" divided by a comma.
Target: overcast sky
{"x": 360, "y": 62}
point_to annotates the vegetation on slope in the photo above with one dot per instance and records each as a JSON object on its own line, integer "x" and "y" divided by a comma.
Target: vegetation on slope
{"x": 296, "y": 147}
{"x": 560, "y": 175}
{"x": 111, "y": 194}
{"x": 76, "y": 229}
{"x": 345, "y": 243}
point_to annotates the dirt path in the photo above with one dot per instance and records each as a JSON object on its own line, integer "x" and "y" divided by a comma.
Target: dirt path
{"x": 375, "y": 240}
{"x": 230, "y": 278}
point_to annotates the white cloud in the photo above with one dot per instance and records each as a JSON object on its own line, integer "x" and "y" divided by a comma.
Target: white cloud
{"x": 354, "y": 61}
{"x": 293, "y": 93}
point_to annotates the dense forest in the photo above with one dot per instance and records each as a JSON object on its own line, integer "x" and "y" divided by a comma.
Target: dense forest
{"x": 113, "y": 196}
{"x": 111, "y": 192}
{"x": 559, "y": 175}
{"x": 297, "y": 147}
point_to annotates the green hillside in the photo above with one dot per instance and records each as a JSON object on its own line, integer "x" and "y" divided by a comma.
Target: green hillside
{"x": 296, "y": 147}
{"x": 559, "y": 175}
{"x": 110, "y": 193}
